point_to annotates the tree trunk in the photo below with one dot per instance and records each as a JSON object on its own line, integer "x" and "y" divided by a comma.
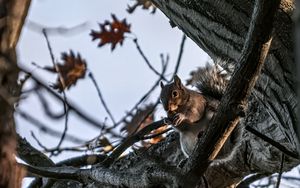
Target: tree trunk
{"x": 12, "y": 14}
{"x": 219, "y": 28}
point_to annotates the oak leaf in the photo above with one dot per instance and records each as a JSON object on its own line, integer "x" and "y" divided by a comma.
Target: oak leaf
{"x": 72, "y": 69}
{"x": 111, "y": 32}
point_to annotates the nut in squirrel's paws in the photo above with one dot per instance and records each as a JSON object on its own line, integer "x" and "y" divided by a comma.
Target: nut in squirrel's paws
{"x": 177, "y": 119}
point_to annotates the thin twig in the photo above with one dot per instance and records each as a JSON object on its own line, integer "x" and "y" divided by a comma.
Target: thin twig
{"x": 280, "y": 171}
{"x": 146, "y": 59}
{"x": 46, "y": 106}
{"x": 246, "y": 182}
{"x": 65, "y": 129}
{"x": 62, "y": 82}
{"x": 71, "y": 105}
{"x": 164, "y": 62}
{"x": 272, "y": 142}
{"x": 38, "y": 142}
{"x": 145, "y": 96}
{"x": 46, "y": 129}
{"x": 180, "y": 54}
{"x": 101, "y": 98}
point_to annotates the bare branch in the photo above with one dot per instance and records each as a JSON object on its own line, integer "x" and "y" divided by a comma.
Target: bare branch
{"x": 246, "y": 182}
{"x": 38, "y": 142}
{"x": 46, "y": 129}
{"x": 277, "y": 145}
{"x": 47, "y": 107}
{"x": 280, "y": 171}
{"x": 101, "y": 98}
{"x": 31, "y": 155}
{"x": 146, "y": 59}
{"x": 65, "y": 129}
{"x": 146, "y": 95}
{"x": 180, "y": 54}
{"x": 62, "y": 81}
{"x": 71, "y": 105}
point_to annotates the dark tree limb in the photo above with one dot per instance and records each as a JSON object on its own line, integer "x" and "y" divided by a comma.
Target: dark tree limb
{"x": 246, "y": 183}
{"x": 273, "y": 143}
{"x": 31, "y": 155}
{"x": 234, "y": 102}
{"x": 280, "y": 171}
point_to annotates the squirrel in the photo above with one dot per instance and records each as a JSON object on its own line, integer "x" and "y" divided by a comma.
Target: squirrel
{"x": 190, "y": 111}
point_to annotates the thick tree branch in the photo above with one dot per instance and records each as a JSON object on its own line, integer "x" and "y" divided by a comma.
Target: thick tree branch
{"x": 234, "y": 102}
{"x": 273, "y": 143}
{"x": 31, "y": 155}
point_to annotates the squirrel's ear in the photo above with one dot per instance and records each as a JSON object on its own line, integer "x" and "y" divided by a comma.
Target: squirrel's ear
{"x": 177, "y": 81}
{"x": 162, "y": 84}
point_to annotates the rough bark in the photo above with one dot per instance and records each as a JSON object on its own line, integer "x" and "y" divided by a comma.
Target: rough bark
{"x": 12, "y": 15}
{"x": 297, "y": 35}
{"x": 219, "y": 28}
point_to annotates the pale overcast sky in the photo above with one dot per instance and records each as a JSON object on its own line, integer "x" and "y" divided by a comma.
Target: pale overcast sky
{"x": 122, "y": 74}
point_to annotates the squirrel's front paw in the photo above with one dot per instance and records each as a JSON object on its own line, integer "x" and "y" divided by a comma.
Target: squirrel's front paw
{"x": 177, "y": 119}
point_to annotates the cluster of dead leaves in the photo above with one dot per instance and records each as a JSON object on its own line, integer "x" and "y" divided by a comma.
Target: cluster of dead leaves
{"x": 111, "y": 32}
{"x": 145, "y": 4}
{"x": 72, "y": 68}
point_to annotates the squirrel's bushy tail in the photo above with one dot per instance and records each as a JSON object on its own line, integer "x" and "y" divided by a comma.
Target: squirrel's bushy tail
{"x": 210, "y": 80}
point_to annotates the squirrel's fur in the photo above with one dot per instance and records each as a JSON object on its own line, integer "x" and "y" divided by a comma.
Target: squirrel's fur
{"x": 190, "y": 111}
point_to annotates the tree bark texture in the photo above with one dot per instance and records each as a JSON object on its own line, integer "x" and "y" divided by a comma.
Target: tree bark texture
{"x": 220, "y": 28}
{"x": 12, "y": 15}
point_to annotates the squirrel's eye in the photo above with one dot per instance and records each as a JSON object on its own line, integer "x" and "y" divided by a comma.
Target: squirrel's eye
{"x": 174, "y": 94}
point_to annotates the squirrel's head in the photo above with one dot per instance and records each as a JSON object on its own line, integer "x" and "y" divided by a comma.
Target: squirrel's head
{"x": 173, "y": 95}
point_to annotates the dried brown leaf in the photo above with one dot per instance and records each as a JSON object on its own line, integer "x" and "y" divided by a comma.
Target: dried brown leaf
{"x": 72, "y": 69}
{"x": 111, "y": 32}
